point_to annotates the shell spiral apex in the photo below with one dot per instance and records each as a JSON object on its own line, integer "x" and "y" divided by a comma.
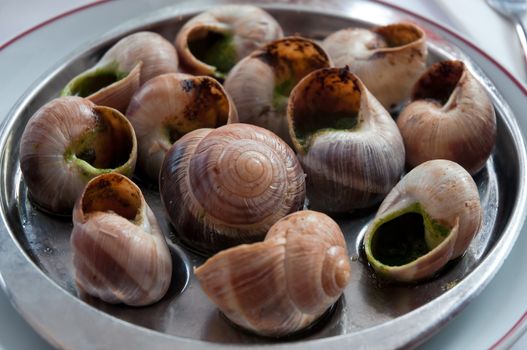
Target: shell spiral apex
{"x": 285, "y": 283}
{"x": 227, "y": 186}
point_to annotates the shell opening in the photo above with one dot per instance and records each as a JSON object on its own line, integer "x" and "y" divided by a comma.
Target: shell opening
{"x": 292, "y": 59}
{"x": 325, "y": 101}
{"x": 213, "y": 48}
{"x": 404, "y": 237}
{"x": 399, "y": 34}
{"x": 439, "y": 82}
{"x": 106, "y": 146}
{"x": 112, "y": 193}
{"x": 210, "y": 108}
{"x": 93, "y": 80}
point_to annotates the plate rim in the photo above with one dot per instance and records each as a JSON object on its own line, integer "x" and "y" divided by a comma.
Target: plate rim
{"x": 83, "y": 48}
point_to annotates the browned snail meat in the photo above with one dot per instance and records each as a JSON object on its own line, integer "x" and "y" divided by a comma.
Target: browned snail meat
{"x": 212, "y": 42}
{"x": 226, "y": 186}
{"x": 171, "y": 105}
{"x": 450, "y": 117}
{"x": 260, "y": 84}
{"x": 348, "y": 145}
{"x": 127, "y": 65}
{"x": 67, "y": 142}
{"x": 285, "y": 283}
{"x": 119, "y": 252}
{"x": 387, "y": 59}
{"x": 428, "y": 219}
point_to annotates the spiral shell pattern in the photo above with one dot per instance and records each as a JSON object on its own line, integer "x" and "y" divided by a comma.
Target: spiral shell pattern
{"x": 119, "y": 252}
{"x": 229, "y": 185}
{"x": 285, "y": 283}
{"x": 67, "y": 142}
{"x": 388, "y": 59}
{"x": 451, "y": 116}
{"x": 315, "y": 249}
{"x": 171, "y": 105}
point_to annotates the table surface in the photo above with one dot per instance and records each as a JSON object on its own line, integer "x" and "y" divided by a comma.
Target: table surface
{"x": 18, "y": 16}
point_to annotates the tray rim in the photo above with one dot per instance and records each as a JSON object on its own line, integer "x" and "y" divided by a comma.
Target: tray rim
{"x": 512, "y": 125}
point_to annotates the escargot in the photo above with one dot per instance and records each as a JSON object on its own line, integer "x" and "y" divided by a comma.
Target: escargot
{"x": 428, "y": 219}
{"x": 127, "y": 65}
{"x": 387, "y": 59}
{"x": 119, "y": 252}
{"x": 226, "y": 186}
{"x": 348, "y": 144}
{"x": 212, "y": 42}
{"x": 260, "y": 84}
{"x": 169, "y": 106}
{"x": 450, "y": 117}
{"x": 67, "y": 142}
{"x": 285, "y": 283}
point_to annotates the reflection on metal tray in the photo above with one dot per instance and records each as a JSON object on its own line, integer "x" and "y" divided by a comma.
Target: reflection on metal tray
{"x": 185, "y": 317}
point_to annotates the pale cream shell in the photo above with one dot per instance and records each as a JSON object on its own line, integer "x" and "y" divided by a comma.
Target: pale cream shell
{"x": 450, "y": 197}
{"x": 387, "y": 59}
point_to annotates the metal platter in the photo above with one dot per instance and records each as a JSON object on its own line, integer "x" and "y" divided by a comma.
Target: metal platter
{"x": 35, "y": 256}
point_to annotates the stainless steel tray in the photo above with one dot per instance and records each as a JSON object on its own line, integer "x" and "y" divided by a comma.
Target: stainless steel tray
{"x": 35, "y": 256}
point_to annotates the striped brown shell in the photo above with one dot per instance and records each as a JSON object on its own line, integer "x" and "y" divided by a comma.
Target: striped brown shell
{"x": 285, "y": 283}
{"x": 226, "y": 186}
{"x": 119, "y": 252}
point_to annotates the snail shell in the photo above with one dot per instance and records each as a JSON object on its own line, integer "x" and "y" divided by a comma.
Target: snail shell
{"x": 119, "y": 252}
{"x": 450, "y": 117}
{"x": 226, "y": 186}
{"x": 428, "y": 219}
{"x": 260, "y": 84}
{"x": 348, "y": 145}
{"x": 212, "y": 42}
{"x": 171, "y": 105}
{"x": 67, "y": 142}
{"x": 127, "y": 65}
{"x": 285, "y": 283}
{"x": 387, "y": 59}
